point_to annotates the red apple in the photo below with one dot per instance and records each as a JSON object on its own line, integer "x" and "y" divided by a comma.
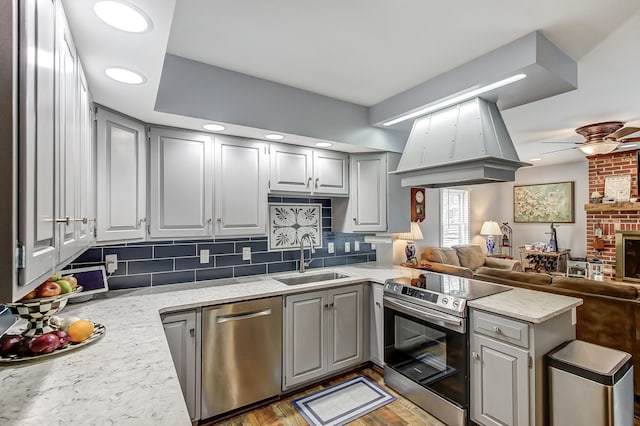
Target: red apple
{"x": 64, "y": 338}
{"x": 48, "y": 289}
{"x": 9, "y": 344}
{"x": 44, "y": 344}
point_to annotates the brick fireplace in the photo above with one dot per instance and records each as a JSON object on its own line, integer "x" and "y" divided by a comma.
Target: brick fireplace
{"x": 620, "y": 216}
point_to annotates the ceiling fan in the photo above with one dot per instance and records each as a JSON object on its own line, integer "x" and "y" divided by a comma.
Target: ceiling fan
{"x": 601, "y": 138}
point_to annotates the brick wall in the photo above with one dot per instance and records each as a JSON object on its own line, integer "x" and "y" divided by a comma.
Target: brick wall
{"x": 616, "y": 164}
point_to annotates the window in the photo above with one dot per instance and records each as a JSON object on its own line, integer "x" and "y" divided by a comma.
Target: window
{"x": 454, "y": 217}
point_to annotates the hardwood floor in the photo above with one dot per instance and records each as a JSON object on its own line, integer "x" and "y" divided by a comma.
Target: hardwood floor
{"x": 282, "y": 413}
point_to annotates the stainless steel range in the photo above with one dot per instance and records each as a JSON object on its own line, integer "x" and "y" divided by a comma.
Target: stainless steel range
{"x": 426, "y": 346}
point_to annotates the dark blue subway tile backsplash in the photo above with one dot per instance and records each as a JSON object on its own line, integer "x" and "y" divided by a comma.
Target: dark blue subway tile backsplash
{"x": 152, "y": 263}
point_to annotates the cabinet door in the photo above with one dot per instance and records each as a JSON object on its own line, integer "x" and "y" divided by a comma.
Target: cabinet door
{"x": 376, "y": 328}
{"x": 330, "y": 173}
{"x": 181, "y": 184}
{"x": 290, "y": 168}
{"x": 67, "y": 140}
{"x": 345, "y": 327}
{"x": 305, "y": 344}
{"x": 240, "y": 186}
{"x": 369, "y": 192}
{"x": 499, "y": 383}
{"x": 180, "y": 330}
{"x": 121, "y": 178}
{"x": 37, "y": 228}
{"x": 86, "y": 191}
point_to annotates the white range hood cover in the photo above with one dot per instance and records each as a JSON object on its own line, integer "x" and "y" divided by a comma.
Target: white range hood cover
{"x": 466, "y": 144}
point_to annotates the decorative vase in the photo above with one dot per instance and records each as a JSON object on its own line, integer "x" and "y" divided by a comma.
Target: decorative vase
{"x": 491, "y": 244}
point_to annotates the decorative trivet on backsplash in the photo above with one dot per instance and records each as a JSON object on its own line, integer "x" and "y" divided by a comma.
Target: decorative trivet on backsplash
{"x": 288, "y": 223}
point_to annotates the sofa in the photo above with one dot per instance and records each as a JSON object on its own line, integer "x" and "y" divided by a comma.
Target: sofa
{"x": 609, "y": 315}
{"x": 462, "y": 260}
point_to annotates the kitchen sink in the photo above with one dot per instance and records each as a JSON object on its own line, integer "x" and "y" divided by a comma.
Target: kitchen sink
{"x": 311, "y": 278}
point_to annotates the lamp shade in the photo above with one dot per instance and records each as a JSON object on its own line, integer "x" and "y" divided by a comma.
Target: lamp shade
{"x": 490, "y": 227}
{"x": 599, "y": 148}
{"x": 414, "y": 235}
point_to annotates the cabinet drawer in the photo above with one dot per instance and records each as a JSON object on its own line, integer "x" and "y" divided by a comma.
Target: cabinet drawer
{"x": 500, "y": 328}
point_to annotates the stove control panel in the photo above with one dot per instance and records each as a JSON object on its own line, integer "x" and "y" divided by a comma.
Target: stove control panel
{"x": 425, "y": 297}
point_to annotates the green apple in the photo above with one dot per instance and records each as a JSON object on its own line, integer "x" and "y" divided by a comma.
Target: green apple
{"x": 54, "y": 277}
{"x": 65, "y": 286}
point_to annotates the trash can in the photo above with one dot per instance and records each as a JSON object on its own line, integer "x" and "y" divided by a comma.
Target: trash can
{"x": 590, "y": 385}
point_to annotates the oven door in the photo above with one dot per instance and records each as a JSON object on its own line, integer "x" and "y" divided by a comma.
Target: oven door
{"x": 428, "y": 347}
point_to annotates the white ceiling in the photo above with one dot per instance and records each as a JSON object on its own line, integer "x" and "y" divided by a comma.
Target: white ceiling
{"x": 364, "y": 51}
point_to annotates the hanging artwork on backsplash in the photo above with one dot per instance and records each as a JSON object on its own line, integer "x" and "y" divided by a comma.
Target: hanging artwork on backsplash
{"x": 289, "y": 223}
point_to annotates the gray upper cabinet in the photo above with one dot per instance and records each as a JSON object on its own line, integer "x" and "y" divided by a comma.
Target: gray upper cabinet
{"x": 56, "y": 198}
{"x": 291, "y": 168}
{"x": 240, "y": 186}
{"x": 37, "y": 227}
{"x": 306, "y": 171}
{"x": 181, "y": 184}
{"x": 121, "y": 178}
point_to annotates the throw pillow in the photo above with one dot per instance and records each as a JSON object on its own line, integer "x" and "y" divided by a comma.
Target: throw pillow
{"x": 470, "y": 256}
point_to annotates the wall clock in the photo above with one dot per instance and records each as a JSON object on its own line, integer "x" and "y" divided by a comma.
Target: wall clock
{"x": 418, "y": 204}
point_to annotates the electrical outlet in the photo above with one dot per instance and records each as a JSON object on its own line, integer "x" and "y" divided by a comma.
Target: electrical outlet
{"x": 347, "y": 247}
{"x": 246, "y": 253}
{"x": 204, "y": 256}
{"x": 356, "y": 246}
{"x": 111, "y": 261}
{"x": 331, "y": 248}
{"x": 373, "y": 246}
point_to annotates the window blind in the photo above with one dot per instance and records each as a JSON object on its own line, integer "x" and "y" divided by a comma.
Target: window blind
{"x": 454, "y": 217}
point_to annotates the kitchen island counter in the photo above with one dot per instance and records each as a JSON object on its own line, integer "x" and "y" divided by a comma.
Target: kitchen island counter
{"x": 128, "y": 376}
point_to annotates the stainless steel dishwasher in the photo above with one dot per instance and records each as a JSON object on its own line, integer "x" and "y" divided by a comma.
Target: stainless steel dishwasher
{"x": 241, "y": 354}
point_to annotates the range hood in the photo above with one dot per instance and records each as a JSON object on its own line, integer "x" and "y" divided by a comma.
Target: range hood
{"x": 466, "y": 144}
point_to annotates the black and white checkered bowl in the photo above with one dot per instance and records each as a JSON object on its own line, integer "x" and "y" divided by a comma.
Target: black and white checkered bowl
{"x": 38, "y": 312}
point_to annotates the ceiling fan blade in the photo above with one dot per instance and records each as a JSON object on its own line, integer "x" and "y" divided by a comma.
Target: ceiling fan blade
{"x": 575, "y": 143}
{"x": 558, "y": 150}
{"x": 625, "y": 131}
{"x": 627, "y": 140}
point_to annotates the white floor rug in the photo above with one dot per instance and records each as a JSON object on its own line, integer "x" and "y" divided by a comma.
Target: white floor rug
{"x": 342, "y": 403}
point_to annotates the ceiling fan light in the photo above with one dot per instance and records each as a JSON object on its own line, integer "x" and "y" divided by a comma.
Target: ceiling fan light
{"x": 599, "y": 148}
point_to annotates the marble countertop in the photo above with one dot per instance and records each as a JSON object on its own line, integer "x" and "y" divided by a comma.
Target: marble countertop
{"x": 128, "y": 377}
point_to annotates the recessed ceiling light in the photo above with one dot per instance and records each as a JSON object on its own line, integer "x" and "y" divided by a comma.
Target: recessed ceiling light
{"x": 323, "y": 144}
{"x": 213, "y": 127}
{"x": 629, "y": 145}
{"x": 535, "y": 159}
{"x": 122, "y": 16}
{"x": 124, "y": 75}
{"x": 274, "y": 137}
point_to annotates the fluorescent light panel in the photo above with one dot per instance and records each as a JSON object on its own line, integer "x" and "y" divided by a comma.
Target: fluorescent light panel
{"x": 122, "y": 16}
{"x": 455, "y": 100}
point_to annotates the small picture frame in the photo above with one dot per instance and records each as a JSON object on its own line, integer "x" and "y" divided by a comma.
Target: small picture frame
{"x": 617, "y": 187}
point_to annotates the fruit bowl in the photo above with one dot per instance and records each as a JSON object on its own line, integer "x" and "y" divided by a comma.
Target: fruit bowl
{"x": 39, "y": 311}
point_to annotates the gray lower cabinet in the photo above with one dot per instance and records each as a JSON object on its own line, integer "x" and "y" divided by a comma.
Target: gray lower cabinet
{"x": 323, "y": 333}
{"x": 507, "y": 366}
{"x": 376, "y": 328}
{"x": 182, "y": 336}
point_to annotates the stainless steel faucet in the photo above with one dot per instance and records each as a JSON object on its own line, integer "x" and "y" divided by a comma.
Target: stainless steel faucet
{"x": 304, "y": 264}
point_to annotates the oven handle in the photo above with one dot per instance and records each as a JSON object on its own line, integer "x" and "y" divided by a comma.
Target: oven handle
{"x": 422, "y": 314}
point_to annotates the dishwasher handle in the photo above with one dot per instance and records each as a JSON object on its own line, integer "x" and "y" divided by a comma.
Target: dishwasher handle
{"x": 239, "y": 317}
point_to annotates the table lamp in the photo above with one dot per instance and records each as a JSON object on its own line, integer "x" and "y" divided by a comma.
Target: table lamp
{"x": 490, "y": 229}
{"x": 411, "y": 237}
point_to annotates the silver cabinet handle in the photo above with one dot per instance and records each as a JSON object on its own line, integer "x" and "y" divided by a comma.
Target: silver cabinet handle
{"x": 475, "y": 355}
{"x": 141, "y": 221}
{"x": 317, "y": 180}
{"x": 66, "y": 220}
{"x": 192, "y": 332}
{"x": 228, "y": 318}
{"x": 497, "y": 330}
{"x": 218, "y": 219}
{"x": 309, "y": 182}
{"x": 378, "y": 304}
